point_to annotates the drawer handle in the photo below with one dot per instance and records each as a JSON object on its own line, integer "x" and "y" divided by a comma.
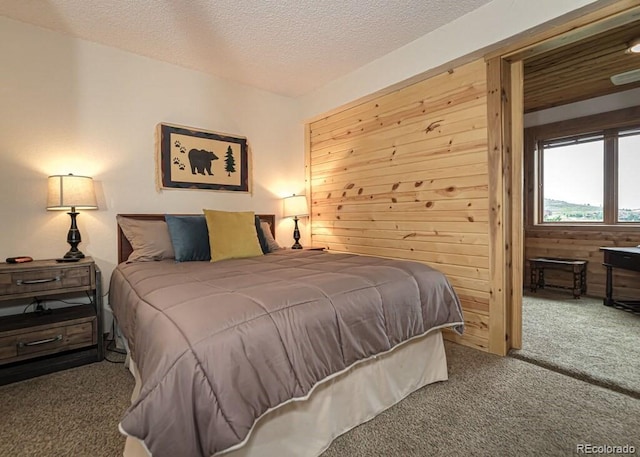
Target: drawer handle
{"x": 37, "y": 343}
{"x": 20, "y": 282}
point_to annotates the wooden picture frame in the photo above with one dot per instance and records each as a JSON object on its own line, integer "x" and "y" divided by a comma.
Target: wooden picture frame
{"x": 190, "y": 158}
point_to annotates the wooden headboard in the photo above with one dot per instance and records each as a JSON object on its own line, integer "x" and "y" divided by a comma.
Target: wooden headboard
{"x": 125, "y": 249}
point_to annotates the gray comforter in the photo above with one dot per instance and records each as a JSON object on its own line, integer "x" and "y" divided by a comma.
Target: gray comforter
{"x": 218, "y": 344}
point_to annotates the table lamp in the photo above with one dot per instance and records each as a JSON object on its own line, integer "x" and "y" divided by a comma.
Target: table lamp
{"x": 71, "y": 192}
{"x": 296, "y": 206}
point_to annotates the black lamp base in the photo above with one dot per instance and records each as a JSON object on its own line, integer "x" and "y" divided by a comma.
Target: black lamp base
{"x": 73, "y": 255}
{"x": 296, "y": 235}
{"x": 73, "y": 238}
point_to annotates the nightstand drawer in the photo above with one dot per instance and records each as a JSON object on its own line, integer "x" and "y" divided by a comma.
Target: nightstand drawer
{"x": 34, "y": 343}
{"x": 50, "y": 279}
{"x": 42, "y": 341}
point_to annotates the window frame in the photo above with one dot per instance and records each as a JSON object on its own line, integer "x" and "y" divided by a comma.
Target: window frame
{"x": 608, "y": 124}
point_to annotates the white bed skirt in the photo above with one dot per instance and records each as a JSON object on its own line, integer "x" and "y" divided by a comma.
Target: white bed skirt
{"x": 307, "y": 427}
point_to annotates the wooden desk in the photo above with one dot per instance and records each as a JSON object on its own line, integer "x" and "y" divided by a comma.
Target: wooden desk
{"x": 626, "y": 259}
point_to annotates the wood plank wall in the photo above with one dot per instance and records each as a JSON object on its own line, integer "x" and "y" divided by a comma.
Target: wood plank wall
{"x": 584, "y": 245}
{"x": 406, "y": 176}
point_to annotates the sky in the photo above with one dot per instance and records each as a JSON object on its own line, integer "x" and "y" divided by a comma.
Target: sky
{"x": 575, "y": 174}
{"x": 628, "y": 168}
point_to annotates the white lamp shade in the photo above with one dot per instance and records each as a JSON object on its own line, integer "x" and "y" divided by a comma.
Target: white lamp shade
{"x": 71, "y": 191}
{"x": 296, "y": 205}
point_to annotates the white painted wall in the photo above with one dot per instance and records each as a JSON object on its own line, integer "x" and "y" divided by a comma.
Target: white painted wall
{"x": 72, "y": 106}
{"x": 466, "y": 38}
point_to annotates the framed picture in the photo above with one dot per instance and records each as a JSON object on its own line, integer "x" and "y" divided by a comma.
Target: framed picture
{"x": 191, "y": 158}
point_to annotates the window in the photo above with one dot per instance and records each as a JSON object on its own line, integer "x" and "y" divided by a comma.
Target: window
{"x": 628, "y": 168}
{"x": 589, "y": 178}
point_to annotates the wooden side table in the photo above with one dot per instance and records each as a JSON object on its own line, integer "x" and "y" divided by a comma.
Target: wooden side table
{"x": 36, "y": 343}
{"x": 578, "y": 268}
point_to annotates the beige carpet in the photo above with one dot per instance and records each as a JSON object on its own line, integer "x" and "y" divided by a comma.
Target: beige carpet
{"x": 72, "y": 413}
{"x": 496, "y": 406}
{"x": 582, "y": 338}
{"x": 490, "y": 406}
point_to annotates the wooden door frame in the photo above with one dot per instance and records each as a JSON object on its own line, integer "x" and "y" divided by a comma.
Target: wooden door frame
{"x": 505, "y": 134}
{"x": 505, "y": 130}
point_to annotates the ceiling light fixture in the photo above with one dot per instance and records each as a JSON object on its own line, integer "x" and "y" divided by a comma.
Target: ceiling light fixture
{"x": 626, "y": 78}
{"x": 634, "y": 47}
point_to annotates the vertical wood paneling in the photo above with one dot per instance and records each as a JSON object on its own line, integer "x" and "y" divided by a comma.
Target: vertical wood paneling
{"x": 498, "y": 237}
{"x": 406, "y": 176}
{"x": 517, "y": 196}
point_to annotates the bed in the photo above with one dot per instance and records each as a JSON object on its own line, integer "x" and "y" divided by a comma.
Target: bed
{"x": 276, "y": 354}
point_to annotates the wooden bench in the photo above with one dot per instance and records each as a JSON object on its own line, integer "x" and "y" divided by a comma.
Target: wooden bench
{"x": 577, "y": 267}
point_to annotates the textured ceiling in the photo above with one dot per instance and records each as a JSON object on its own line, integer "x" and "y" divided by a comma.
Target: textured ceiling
{"x": 290, "y": 47}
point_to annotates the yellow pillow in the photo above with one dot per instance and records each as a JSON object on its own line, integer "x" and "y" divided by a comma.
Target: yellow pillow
{"x": 232, "y": 235}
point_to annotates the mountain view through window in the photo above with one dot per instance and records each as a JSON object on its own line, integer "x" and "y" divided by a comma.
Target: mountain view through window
{"x": 573, "y": 179}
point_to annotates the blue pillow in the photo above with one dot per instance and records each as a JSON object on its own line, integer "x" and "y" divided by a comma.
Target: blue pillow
{"x": 190, "y": 237}
{"x": 261, "y": 239}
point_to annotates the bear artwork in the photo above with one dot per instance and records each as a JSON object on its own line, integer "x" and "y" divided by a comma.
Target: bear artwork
{"x": 200, "y": 160}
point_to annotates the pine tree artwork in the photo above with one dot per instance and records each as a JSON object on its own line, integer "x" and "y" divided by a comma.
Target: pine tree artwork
{"x": 229, "y": 162}
{"x": 193, "y": 158}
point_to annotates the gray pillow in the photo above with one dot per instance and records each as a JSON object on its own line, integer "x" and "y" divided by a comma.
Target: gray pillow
{"x": 150, "y": 240}
{"x": 271, "y": 242}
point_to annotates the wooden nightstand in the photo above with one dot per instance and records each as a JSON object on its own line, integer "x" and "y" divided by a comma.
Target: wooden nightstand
{"x": 32, "y": 344}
